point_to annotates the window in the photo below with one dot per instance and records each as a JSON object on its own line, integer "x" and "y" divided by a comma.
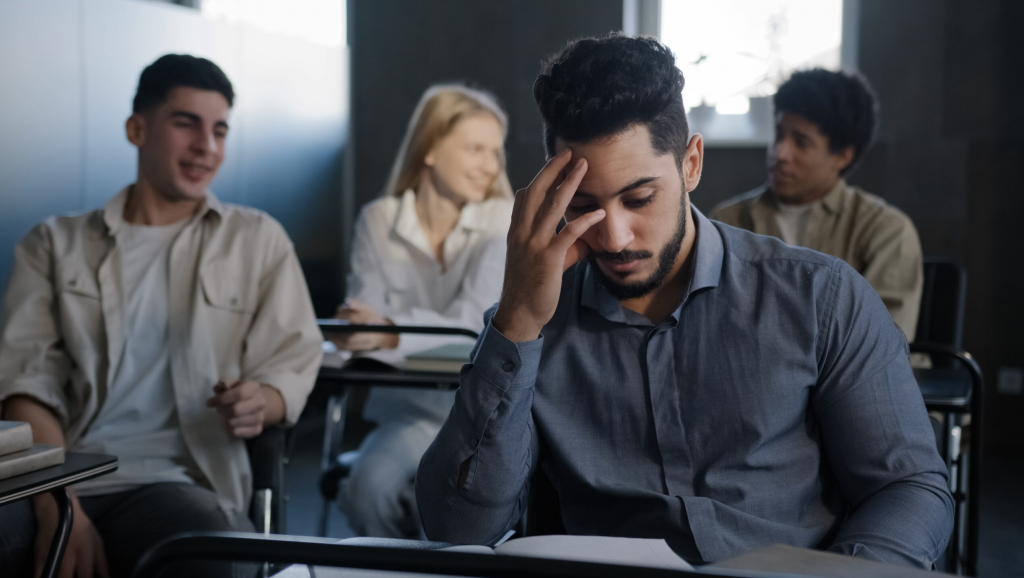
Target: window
{"x": 316, "y": 21}
{"x": 735, "y": 53}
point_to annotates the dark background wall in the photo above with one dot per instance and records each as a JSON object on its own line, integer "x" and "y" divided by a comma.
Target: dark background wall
{"x": 949, "y": 76}
{"x": 401, "y": 47}
{"x": 69, "y": 70}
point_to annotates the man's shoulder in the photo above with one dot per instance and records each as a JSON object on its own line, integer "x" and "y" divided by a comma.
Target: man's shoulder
{"x": 250, "y": 222}
{"x": 744, "y": 248}
{"x": 876, "y": 213}
{"x": 67, "y": 228}
{"x": 731, "y": 211}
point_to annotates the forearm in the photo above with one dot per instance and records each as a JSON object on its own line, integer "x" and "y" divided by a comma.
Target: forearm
{"x": 472, "y": 480}
{"x": 45, "y": 425}
{"x": 906, "y": 523}
{"x": 45, "y": 430}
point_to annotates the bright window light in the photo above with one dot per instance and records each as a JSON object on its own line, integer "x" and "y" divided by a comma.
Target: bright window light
{"x": 317, "y": 21}
{"x": 734, "y": 53}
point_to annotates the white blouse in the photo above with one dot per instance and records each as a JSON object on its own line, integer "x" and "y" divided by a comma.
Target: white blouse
{"x": 395, "y": 271}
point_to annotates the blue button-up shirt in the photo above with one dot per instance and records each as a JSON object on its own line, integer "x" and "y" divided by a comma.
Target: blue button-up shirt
{"x": 775, "y": 405}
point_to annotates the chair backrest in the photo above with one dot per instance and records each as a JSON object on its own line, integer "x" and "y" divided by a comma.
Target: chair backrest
{"x": 941, "y": 320}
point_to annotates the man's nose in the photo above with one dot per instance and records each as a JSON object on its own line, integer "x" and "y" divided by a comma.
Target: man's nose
{"x": 614, "y": 233}
{"x": 783, "y": 150}
{"x": 205, "y": 142}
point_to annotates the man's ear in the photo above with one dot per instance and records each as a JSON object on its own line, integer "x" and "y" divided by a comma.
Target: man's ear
{"x": 693, "y": 162}
{"x": 844, "y": 158}
{"x": 135, "y": 129}
{"x": 430, "y": 159}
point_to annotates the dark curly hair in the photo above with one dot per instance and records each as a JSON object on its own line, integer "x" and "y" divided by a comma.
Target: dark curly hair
{"x": 173, "y": 70}
{"x": 599, "y": 87}
{"x": 843, "y": 106}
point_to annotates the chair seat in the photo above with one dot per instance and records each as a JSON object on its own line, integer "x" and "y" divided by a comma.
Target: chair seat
{"x": 945, "y": 387}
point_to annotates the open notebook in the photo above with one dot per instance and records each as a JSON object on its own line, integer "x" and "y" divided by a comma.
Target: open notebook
{"x": 448, "y": 358}
{"x": 599, "y": 549}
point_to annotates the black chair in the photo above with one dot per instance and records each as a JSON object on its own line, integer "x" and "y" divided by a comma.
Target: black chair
{"x": 268, "y": 457}
{"x": 335, "y": 465}
{"x": 953, "y": 388}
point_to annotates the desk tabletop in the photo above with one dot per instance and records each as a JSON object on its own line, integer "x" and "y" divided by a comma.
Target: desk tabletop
{"x": 77, "y": 467}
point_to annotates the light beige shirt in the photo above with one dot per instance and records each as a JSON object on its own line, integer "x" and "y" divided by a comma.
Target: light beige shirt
{"x": 872, "y": 236}
{"x": 239, "y": 308}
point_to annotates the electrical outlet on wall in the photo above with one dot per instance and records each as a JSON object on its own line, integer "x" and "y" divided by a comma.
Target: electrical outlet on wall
{"x": 1010, "y": 381}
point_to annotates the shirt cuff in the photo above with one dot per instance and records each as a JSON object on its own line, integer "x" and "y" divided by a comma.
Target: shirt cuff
{"x": 506, "y": 364}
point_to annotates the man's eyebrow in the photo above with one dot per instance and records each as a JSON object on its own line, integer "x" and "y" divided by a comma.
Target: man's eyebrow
{"x": 635, "y": 184}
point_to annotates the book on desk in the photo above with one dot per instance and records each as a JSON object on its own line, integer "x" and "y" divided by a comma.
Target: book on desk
{"x": 18, "y": 455}
{"x": 447, "y": 358}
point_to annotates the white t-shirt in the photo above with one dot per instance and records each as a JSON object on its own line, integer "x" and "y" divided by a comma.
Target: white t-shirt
{"x": 792, "y": 221}
{"x": 138, "y": 421}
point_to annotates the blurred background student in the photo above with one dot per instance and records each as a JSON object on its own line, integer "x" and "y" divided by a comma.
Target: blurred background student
{"x": 431, "y": 251}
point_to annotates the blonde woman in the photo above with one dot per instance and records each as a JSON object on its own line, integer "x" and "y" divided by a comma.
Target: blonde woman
{"x": 431, "y": 251}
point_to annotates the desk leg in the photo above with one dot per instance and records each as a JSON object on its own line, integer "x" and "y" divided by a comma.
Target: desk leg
{"x": 65, "y": 517}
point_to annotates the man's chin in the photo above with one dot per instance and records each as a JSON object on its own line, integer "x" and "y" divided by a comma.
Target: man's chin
{"x": 633, "y": 285}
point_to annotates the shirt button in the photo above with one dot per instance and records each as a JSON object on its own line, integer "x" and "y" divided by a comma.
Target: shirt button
{"x": 234, "y": 301}
{"x": 508, "y": 366}
{"x": 72, "y": 283}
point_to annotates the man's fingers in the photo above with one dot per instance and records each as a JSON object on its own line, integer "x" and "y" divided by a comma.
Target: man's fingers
{"x": 566, "y": 240}
{"x": 248, "y": 420}
{"x": 537, "y": 192}
{"x": 243, "y": 408}
{"x": 247, "y": 432}
{"x": 236, "y": 393}
{"x": 558, "y": 199}
{"x": 517, "y": 213}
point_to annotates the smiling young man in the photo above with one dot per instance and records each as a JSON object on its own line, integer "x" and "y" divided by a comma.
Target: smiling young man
{"x": 824, "y": 123}
{"x": 671, "y": 377}
{"x": 165, "y": 329}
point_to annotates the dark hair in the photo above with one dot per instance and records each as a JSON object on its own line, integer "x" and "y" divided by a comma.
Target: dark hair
{"x": 173, "y": 70}
{"x": 843, "y": 106}
{"x": 599, "y": 87}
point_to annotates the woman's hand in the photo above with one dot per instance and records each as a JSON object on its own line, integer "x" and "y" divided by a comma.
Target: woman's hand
{"x": 356, "y": 312}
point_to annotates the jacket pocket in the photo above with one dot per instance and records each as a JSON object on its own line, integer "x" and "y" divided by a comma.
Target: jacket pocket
{"x": 77, "y": 282}
{"x": 227, "y": 287}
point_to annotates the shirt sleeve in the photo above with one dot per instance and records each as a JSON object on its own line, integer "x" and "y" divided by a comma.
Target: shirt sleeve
{"x": 893, "y": 267}
{"x": 33, "y": 360}
{"x": 876, "y": 434}
{"x": 491, "y": 425}
{"x": 366, "y": 282}
{"x": 283, "y": 347}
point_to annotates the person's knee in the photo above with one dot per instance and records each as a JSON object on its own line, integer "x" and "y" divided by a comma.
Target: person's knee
{"x": 369, "y": 499}
{"x": 197, "y": 509}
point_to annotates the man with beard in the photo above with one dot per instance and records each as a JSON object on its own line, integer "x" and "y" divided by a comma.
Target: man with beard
{"x": 672, "y": 377}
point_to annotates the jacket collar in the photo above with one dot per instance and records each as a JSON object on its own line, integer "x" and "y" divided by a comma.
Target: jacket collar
{"x": 113, "y": 211}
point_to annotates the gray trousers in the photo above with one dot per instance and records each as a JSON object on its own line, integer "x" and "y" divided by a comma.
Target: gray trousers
{"x": 130, "y": 523}
{"x": 379, "y": 495}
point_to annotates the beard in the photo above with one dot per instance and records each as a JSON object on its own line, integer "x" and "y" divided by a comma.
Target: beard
{"x": 666, "y": 259}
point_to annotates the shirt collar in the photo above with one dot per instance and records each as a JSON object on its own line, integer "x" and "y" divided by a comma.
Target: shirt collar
{"x": 113, "y": 211}
{"x": 708, "y": 252}
{"x": 833, "y": 202}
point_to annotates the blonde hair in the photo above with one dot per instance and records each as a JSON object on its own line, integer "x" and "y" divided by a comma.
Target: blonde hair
{"x": 440, "y": 108}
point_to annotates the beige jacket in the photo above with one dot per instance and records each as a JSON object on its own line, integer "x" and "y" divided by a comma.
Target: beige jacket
{"x": 239, "y": 309}
{"x": 875, "y": 238}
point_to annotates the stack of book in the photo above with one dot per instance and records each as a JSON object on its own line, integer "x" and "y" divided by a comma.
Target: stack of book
{"x": 18, "y": 455}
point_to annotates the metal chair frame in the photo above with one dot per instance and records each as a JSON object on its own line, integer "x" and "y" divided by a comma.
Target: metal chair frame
{"x": 962, "y": 550}
{"x": 337, "y": 402}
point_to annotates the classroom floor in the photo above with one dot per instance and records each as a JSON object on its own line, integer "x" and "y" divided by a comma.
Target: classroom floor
{"x": 1002, "y": 507}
